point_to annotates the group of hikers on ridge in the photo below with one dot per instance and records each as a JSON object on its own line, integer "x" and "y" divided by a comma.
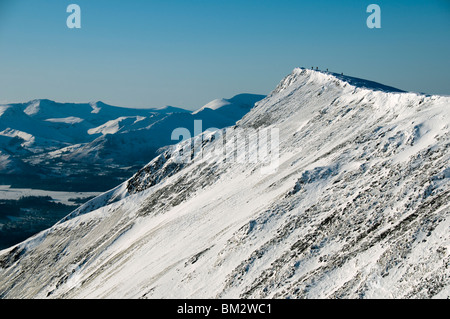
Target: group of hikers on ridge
{"x": 317, "y": 69}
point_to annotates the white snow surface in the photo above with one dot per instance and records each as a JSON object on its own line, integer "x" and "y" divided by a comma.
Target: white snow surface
{"x": 358, "y": 208}
{"x": 67, "y": 120}
{"x": 214, "y": 105}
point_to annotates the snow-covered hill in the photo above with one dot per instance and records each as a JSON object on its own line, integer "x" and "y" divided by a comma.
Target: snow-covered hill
{"x": 357, "y": 207}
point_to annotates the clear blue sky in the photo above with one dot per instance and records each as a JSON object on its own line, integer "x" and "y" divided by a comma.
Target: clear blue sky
{"x": 185, "y": 53}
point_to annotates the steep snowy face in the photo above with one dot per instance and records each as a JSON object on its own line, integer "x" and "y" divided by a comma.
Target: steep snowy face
{"x": 355, "y": 205}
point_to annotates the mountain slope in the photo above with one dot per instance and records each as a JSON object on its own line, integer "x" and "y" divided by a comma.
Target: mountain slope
{"x": 358, "y": 207}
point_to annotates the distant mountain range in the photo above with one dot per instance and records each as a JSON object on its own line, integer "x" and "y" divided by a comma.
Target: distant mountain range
{"x": 93, "y": 146}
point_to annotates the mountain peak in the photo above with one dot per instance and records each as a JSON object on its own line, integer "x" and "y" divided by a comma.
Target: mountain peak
{"x": 320, "y": 76}
{"x": 241, "y": 100}
{"x": 304, "y": 91}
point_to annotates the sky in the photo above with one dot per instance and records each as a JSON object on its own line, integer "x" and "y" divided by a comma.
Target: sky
{"x": 183, "y": 53}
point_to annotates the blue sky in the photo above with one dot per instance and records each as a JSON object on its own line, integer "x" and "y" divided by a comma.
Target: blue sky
{"x": 185, "y": 53}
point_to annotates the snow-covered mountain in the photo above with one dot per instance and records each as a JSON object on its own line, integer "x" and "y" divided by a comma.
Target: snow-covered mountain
{"x": 39, "y": 137}
{"x": 356, "y": 206}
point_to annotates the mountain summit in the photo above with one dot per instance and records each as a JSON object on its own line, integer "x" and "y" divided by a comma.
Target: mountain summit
{"x": 356, "y": 207}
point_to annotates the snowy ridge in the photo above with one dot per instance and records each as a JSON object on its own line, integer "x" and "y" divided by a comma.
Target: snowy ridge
{"x": 214, "y": 105}
{"x": 358, "y": 208}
